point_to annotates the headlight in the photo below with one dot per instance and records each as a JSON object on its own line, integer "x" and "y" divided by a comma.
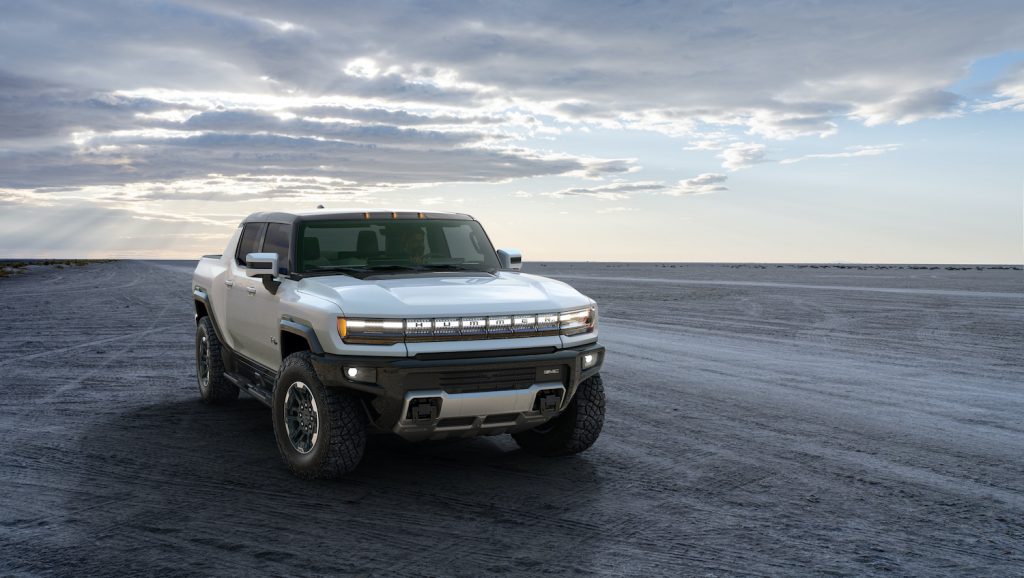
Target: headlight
{"x": 391, "y": 331}
{"x": 371, "y": 331}
{"x": 578, "y": 321}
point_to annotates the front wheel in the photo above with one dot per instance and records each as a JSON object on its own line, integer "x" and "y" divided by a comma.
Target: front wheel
{"x": 575, "y": 429}
{"x": 320, "y": 431}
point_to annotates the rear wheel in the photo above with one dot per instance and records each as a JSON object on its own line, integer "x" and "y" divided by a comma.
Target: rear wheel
{"x": 214, "y": 388}
{"x": 320, "y": 431}
{"x": 575, "y": 429}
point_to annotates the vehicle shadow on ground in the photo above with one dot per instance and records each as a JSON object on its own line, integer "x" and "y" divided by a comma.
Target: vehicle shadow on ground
{"x": 185, "y": 486}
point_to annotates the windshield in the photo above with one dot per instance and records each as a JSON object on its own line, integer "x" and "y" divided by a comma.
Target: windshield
{"x": 376, "y": 246}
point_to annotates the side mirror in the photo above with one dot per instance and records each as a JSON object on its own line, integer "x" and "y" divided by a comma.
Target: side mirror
{"x": 261, "y": 265}
{"x": 510, "y": 259}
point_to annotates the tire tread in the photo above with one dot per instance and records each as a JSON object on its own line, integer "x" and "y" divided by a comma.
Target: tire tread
{"x": 220, "y": 390}
{"x": 576, "y": 429}
{"x": 345, "y": 421}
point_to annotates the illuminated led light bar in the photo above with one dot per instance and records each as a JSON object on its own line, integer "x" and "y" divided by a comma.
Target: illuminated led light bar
{"x": 499, "y": 324}
{"x": 522, "y": 323}
{"x": 547, "y": 321}
{"x": 451, "y": 326}
{"x": 371, "y": 331}
{"x": 474, "y": 325}
{"x": 375, "y": 326}
{"x": 392, "y": 331}
{"x": 419, "y": 326}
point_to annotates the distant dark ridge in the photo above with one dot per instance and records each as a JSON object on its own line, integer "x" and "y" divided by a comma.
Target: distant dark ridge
{"x": 29, "y": 261}
{"x": 9, "y": 267}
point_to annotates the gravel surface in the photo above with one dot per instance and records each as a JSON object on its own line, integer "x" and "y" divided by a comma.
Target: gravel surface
{"x": 761, "y": 420}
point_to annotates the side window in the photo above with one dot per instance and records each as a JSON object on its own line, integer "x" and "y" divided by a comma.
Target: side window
{"x": 277, "y": 240}
{"x": 250, "y": 241}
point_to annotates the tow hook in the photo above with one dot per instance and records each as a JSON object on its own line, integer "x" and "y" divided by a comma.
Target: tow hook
{"x": 547, "y": 401}
{"x": 424, "y": 408}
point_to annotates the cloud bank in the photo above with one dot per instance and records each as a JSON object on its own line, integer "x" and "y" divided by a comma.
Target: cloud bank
{"x": 124, "y": 104}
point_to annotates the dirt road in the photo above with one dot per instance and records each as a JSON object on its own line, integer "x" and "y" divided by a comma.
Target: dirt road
{"x": 759, "y": 422}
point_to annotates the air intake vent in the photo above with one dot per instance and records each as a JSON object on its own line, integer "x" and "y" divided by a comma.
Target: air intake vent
{"x": 493, "y": 380}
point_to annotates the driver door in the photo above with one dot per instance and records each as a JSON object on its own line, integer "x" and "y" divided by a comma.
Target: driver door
{"x": 255, "y": 310}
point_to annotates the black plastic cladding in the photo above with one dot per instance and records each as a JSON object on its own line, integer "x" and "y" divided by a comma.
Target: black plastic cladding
{"x": 396, "y": 376}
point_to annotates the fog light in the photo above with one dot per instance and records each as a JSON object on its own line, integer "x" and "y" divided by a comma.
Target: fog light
{"x": 589, "y": 360}
{"x": 364, "y": 374}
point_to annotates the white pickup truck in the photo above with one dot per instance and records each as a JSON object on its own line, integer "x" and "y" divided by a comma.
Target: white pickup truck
{"x": 347, "y": 323}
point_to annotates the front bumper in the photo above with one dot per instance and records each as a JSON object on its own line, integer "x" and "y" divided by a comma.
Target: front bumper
{"x": 435, "y": 396}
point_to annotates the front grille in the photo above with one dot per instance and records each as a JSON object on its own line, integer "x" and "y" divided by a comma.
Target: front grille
{"x": 490, "y": 380}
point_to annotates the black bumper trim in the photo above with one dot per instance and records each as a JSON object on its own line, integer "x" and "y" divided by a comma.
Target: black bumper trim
{"x": 398, "y": 375}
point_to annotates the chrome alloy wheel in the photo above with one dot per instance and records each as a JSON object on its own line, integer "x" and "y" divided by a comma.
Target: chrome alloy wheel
{"x": 302, "y": 422}
{"x": 203, "y": 363}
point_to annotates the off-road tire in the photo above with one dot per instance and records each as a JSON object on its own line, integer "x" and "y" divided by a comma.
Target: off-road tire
{"x": 341, "y": 424}
{"x": 575, "y": 429}
{"x": 217, "y": 389}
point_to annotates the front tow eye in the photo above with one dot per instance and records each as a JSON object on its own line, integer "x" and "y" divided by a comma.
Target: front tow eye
{"x": 424, "y": 408}
{"x": 547, "y": 401}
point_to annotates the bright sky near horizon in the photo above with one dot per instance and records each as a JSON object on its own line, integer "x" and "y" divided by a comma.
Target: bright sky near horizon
{"x": 765, "y": 131}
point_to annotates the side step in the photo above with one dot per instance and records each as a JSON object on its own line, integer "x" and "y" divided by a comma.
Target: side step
{"x": 251, "y": 388}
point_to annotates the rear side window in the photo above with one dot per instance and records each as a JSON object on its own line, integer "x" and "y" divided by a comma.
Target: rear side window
{"x": 277, "y": 240}
{"x": 250, "y": 241}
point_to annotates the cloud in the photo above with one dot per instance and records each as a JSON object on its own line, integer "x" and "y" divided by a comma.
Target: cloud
{"x": 701, "y": 184}
{"x": 611, "y": 192}
{"x": 742, "y": 155}
{"x": 243, "y": 121}
{"x": 912, "y": 107}
{"x": 1009, "y": 94}
{"x": 222, "y": 144}
{"x": 759, "y": 66}
{"x": 790, "y": 125}
{"x": 854, "y": 151}
{"x": 378, "y": 115}
{"x": 129, "y": 106}
{"x": 620, "y": 190}
{"x": 616, "y": 210}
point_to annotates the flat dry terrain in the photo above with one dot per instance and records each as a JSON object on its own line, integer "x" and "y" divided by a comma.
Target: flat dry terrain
{"x": 776, "y": 420}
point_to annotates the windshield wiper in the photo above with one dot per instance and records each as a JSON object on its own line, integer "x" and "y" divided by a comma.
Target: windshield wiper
{"x": 359, "y": 271}
{"x": 351, "y": 271}
{"x": 450, "y": 267}
{"x": 444, "y": 267}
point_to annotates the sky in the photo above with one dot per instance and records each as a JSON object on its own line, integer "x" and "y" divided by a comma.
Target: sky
{"x": 763, "y": 131}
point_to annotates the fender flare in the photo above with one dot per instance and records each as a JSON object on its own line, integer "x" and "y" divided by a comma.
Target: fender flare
{"x": 201, "y": 296}
{"x": 304, "y": 331}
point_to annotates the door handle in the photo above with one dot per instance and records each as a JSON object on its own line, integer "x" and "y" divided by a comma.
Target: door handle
{"x": 229, "y": 282}
{"x": 251, "y": 290}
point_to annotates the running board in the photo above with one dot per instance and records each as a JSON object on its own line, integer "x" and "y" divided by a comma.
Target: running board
{"x": 249, "y": 387}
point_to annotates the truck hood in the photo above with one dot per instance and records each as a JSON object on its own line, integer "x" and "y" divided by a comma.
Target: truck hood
{"x": 444, "y": 294}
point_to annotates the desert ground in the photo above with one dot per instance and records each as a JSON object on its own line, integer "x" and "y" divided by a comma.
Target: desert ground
{"x": 761, "y": 420}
